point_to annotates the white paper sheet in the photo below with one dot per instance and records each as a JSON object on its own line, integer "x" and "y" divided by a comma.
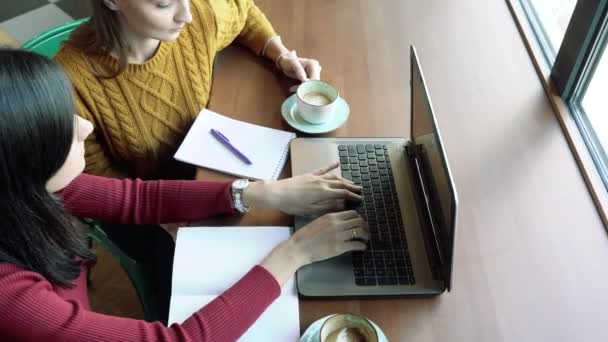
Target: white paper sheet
{"x": 208, "y": 260}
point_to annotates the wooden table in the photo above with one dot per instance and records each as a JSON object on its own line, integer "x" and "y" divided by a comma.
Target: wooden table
{"x": 531, "y": 259}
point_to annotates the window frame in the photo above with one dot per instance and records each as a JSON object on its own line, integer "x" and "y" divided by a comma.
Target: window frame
{"x": 565, "y": 79}
{"x": 579, "y": 47}
{"x": 540, "y": 33}
{"x": 574, "y": 67}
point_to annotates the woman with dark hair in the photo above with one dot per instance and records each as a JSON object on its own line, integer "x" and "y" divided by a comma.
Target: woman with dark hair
{"x": 142, "y": 70}
{"x": 44, "y": 260}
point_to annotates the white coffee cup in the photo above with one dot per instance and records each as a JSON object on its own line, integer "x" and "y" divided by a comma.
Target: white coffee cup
{"x": 317, "y": 101}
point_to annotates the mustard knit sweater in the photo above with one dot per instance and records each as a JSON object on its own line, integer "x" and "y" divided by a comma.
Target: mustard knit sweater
{"x": 142, "y": 115}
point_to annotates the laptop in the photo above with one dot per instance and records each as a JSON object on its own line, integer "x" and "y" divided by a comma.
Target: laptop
{"x": 409, "y": 204}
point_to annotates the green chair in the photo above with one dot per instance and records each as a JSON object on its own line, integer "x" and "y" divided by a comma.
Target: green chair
{"x": 134, "y": 271}
{"x": 48, "y": 44}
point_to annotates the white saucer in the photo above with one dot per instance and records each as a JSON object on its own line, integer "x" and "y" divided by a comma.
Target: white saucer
{"x": 313, "y": 331}
{"x": 289, "y": 109}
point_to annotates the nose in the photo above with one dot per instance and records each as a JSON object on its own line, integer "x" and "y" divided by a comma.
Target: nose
{"x": 85, "y": 127}
{"x": 183, "y": 15}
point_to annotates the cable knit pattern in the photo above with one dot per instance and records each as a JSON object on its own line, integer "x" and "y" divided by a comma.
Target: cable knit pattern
{"x": 142, "y": 115}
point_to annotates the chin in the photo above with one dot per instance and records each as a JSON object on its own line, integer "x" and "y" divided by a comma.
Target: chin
{"x": 171, "y": 36}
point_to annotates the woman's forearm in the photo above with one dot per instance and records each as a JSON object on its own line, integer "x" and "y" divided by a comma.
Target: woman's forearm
{"x": 39, "y": 313}
{"x": 145, "y": 202}
{"x": 283, "y": 261}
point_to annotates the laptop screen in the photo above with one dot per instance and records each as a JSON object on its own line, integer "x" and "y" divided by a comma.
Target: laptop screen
{"x": 441, "y": 192}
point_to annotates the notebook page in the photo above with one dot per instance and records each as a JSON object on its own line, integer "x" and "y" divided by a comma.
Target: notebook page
{"x": 280, "y": 321}
{"x": 267, "y": 148}
{"x": 208, "y": 260}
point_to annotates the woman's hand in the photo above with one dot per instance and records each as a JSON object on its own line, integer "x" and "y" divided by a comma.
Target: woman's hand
{"x": 311, "y": 194}
{"x": 302, "y": 69}
{"x": 330, "y": 235}
{"x": 326, "y": 237}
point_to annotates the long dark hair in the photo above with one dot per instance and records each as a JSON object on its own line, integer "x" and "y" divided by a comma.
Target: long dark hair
{"x": 101, "y": 36}
{"x": 36, "y": 133}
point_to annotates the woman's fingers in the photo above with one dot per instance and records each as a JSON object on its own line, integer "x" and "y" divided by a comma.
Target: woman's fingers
{"x": 344, "y": 194}
{"x": 352, "y": 223}
{"x": 324, "y": 170}
{"x": 333, "y": 176}
{"x": 331, "y": 200}
{"x": 327, "y": 237}
{"x": 340, "y": 184}
{"x": 312, "y": 67}
{"x": 292, "y": 66}
{"x": 345, "y": 215}
{"x": 327, "y": 206}
{"x": 354, "y": 234}
{"x": 348, "y": 220}
{"x": 299, "y": 72}
{"x": 352, "y": 245}
{"x": 358, "y": 225}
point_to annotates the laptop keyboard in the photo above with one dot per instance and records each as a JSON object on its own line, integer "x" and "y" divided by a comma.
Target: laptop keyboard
{"x": 387, "y": 259}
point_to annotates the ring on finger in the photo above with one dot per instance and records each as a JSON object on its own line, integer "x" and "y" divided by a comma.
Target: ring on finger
{"x": 354, "y": 230}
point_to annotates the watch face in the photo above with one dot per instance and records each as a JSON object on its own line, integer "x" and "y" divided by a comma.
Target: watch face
{"x": 241, "y": 184}
{"x": 238, "y": 186}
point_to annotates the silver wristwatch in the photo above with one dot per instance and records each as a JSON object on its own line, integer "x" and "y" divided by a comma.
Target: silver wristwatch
{"x": 238, "y": 187}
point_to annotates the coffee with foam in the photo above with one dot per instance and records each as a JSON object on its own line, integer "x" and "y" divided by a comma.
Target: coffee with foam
{"x": 316, "y": 98}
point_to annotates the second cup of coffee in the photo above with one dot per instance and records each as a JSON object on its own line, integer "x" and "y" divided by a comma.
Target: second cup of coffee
{"x": 347, "y": 328}
{"x": 317, "y": 101}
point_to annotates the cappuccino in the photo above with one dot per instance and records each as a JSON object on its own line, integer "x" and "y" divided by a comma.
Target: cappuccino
{"x": 317, "y": 101}
{"x": 316, "y": 98}
{"x": 346, "y": 335}
{"x": 347, "y": 328}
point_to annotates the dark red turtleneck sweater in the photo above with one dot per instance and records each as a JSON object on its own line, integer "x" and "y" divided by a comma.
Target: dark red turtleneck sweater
{"x": 32, "y": 309}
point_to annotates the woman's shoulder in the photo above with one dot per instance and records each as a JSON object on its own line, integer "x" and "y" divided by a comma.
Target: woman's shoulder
{"x": 206, "y": 12}
{"x": 69, "y": 56}
{"x": 11, "y": 275}
{"x": 84, "y": 181}
{"x": 75, "y": 64}
{"x": 203, "y": 13}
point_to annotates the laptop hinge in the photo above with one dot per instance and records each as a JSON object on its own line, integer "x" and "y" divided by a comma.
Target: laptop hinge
{"x": 426, "y": 212}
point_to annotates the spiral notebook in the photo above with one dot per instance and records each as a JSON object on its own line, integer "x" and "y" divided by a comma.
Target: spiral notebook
{"x": 267, "y": 148}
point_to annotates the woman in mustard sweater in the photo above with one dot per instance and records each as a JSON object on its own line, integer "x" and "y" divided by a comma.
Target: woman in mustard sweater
{"x": 142, "y": 71}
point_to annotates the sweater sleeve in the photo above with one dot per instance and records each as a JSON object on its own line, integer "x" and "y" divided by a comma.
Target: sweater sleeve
{"x": 241, "y": 20}
{"x": 33, "y": 311}
{"x": 146, "y": 202}
{"x": 257, "y": 30}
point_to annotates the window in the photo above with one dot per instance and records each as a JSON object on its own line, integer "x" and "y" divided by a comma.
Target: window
{"x": 573, "y": 36}
{"x": 592, "y": 110}
{"x": 550, "y": 19}
{"x": 595, "y": 100}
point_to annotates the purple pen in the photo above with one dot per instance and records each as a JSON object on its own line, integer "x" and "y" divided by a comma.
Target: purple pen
{"x": 226, "y": 142}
